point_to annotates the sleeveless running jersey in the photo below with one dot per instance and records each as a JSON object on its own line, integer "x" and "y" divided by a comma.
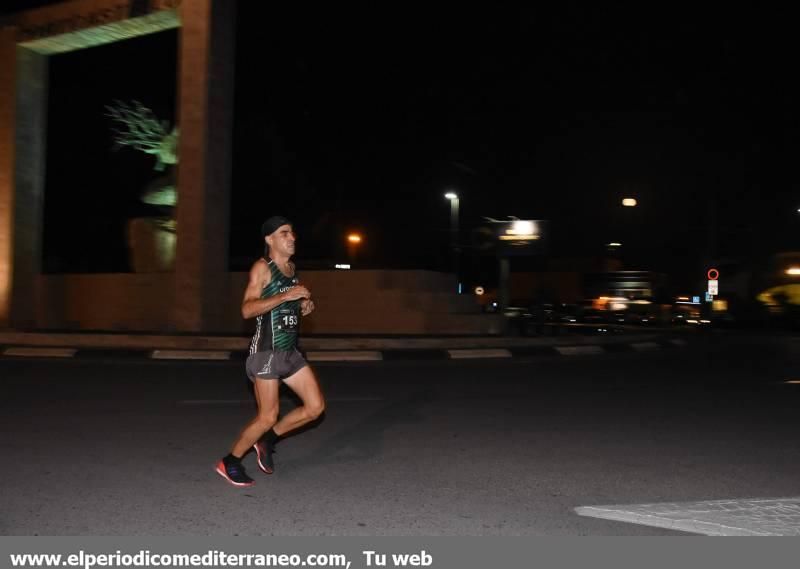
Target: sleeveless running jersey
{"x": 277, "y": 329}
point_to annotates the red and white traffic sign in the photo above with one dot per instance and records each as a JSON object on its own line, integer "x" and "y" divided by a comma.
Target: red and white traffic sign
{"x": 713, "y": 282}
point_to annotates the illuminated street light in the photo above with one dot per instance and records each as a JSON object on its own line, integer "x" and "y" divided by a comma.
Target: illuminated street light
{"x": 629, "y": 202}
{"x": 793, "y": 271}
{"x": 353, "y": 243}
{"x": 519, "y": 227}
{"x": 453, "y": 197}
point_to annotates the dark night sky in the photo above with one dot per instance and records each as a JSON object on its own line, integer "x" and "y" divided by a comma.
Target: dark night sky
{"x": 363, "y": 119}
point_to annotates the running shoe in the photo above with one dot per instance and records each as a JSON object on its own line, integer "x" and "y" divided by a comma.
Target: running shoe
{"x": 264, "y": 452}
{"x": 234, "y": 473}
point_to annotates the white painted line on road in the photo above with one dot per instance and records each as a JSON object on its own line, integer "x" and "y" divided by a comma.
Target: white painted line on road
{"x": 343, "y": 356}
{"x": 484, "y": 353}
{"x": 678, "y": 342}
{"x": 40, "y": 352}
{"x": 645, "y": 346}
{"x": 213, "y": 402}
{"x": 352, "y": 399}
{"x": 189, "y": 355}
{"x": 775, "y": 516}
{"x": 579, "y": 350}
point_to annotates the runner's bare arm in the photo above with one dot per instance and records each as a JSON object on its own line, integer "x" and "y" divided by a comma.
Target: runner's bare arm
{"x": 252, "y": 303}
{"x": 306, "y": 306}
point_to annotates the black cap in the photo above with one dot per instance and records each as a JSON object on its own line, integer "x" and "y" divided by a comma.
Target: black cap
{"x": 272, "y": 224}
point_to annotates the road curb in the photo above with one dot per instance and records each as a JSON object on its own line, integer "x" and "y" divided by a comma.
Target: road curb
{"x": 387, "y": 354}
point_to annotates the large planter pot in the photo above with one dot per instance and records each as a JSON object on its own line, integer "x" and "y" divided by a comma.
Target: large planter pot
{"x": 151, "y": 241}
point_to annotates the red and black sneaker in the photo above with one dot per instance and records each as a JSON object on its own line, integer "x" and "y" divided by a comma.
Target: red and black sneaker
{"x": 234, "y": 473}
{"x": 264, "y": 452}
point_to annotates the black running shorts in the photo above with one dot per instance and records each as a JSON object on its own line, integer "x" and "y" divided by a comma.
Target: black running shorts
{"x": 274, "y": 364}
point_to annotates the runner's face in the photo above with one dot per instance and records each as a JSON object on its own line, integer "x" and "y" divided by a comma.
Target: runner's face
{"x": 282, "y": 240}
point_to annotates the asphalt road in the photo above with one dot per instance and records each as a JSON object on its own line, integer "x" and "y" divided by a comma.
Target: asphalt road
{"x": 492, "y": 447}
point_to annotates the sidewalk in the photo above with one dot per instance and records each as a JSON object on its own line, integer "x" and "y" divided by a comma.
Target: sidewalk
{"x": 572, "y": 341}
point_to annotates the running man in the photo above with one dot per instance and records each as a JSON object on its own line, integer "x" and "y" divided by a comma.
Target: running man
{"x": 276, "y": 299}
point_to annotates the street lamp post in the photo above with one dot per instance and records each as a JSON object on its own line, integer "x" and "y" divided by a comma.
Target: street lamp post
{"x": 353, "y": 242}
{"x": 453, "y": 197}
{"x": 628, "y": 230}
